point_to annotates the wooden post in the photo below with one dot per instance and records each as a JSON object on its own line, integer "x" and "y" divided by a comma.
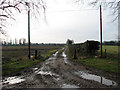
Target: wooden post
{"x": 39, "y": 54}
{"x": 75, "y": 56}
{"x": 101, "y": 80}
{"x": 29, "y": 34}
{"x": 35, "y": 54}
{"x": 101, "y": 30}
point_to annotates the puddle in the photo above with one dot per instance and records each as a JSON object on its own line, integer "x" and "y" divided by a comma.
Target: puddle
{"x": 47, "y": 73}
{"x": 45, "y": 69}
{"x": 12, "y": 80}
{"x": 35, "y": 69}
{"x": 31, "y": 56}
{"x": 65, "y": 57}
{"x": 69, "y": 86}
{"x": 99, "y": 79}
{"x": 57, "y": 79}
{"x": 53, "y": 57}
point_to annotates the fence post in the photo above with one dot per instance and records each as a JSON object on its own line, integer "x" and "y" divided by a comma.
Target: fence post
{"x": 101, "y": 80}
{"x": 35, "y": 54}
{"x": 39, "y": 54}
{"x": 75, "y": 57}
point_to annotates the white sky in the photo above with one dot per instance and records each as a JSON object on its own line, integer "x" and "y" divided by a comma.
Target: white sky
{"x": 63, "y": 23}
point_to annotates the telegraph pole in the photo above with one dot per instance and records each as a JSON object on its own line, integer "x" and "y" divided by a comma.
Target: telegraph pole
{"x": 101, "y": 30}
{"x": 29, "y": 34}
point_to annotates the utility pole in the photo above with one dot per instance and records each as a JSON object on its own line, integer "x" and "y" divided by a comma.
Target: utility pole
{"x": 29, "y": 33}
{"x": 119, "y": 37}
{"x": 101, "y": 30}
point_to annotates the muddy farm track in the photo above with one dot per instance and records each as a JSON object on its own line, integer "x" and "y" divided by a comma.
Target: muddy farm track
{"x": 60, "y": 72}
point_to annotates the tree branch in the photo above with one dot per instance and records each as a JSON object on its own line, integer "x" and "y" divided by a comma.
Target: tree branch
{"x": 4, "y": 16}
{"x": 19, "y": 5}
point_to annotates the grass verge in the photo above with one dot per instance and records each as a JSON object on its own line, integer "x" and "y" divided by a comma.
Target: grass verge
{"x": 110, "y": 64}
{"x": 60, "y": 52}
{"x": 100, "y": 63}
{"x": 16, "y": 64}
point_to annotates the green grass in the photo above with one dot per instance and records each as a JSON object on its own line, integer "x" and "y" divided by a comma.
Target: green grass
{"x": 101, "y": 63}
{"x": 48, "y": 54}
{"x": 109, "y": 64}
{"x": 18, "y": 51}
{"x": 111, "y": 51}
{"x": 17, "y": 64}
{"x": 60, "y": 52}
{"x": 19, "y": 60}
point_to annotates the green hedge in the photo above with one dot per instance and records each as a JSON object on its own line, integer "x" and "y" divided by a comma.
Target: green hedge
{"x": 87, "y": 48}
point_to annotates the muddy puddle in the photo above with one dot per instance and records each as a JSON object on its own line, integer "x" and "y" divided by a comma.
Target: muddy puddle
{"x": 54, "y": 56}
{"x": 69, "y": 86}
{"x": 13, "y": 80}
{"x": 19, "y": 79}
{"x": 65, "y": 57}
{"x": 35, "y": 69}
{"x": 100, "y": 79}
{"x": 46, "y": 71}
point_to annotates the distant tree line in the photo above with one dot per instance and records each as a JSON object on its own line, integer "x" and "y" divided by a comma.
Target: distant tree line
{"x": 111, "y": 43}
{"x": 22, "y": 42}
{"x": 69, "y": 42}
{"x": 16, "y": 42}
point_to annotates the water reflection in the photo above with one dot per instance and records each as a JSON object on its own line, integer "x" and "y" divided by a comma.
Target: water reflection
{"x": 54, "y": 56}
{"x": 99, "y": 79}
{"x": 65, "y": 57}
{"x": 69, "y": 86}
{"x": 47, "y": 73}
{"x": 13, "y": 80}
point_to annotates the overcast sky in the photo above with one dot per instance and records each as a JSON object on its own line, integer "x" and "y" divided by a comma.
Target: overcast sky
{"x": 65, "y": 20}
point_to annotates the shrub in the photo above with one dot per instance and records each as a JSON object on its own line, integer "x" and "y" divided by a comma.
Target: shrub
{"x": 87, "y": 48}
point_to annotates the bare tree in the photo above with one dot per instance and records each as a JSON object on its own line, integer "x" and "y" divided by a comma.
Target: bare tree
{"x": 24, "y": 41}
{"x": 15, "y": 41}
{"x": 69, "y": 42}
{"x": 10, "y": 43}
{"x": 8, "y": 7}
{"x": 20, "y": 41}
{"x": 5, "y": 43}
{"x": 114, "y": 5}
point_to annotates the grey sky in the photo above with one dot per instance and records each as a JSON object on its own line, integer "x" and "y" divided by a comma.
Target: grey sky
{"x": 65, "y": 19}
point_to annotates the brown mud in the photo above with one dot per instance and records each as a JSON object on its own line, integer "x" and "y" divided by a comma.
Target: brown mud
{"x": 60, "y": 72}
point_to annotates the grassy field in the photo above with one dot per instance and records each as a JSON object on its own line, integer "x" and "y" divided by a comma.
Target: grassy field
{"x": 17, "y": 51}
{"x": 19, "y": 60}
{"x": 111, "y": 51}
{"x": 110, "y": 63}
{"x": 101, "y": 63}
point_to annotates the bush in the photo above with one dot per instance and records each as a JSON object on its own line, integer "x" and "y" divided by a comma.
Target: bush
{"x": 87, "y": 48}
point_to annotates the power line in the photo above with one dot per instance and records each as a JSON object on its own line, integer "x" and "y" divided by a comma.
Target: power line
{"x": 70, "y": 10}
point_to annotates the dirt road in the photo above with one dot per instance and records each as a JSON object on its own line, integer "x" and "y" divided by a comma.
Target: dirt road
{"x": 60, "y": 73}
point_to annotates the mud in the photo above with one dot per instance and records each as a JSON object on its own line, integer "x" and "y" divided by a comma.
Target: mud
{"x": 60, "y": 72}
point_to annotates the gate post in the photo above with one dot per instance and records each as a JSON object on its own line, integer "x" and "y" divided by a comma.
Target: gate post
{"x": 35, "y": 54}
